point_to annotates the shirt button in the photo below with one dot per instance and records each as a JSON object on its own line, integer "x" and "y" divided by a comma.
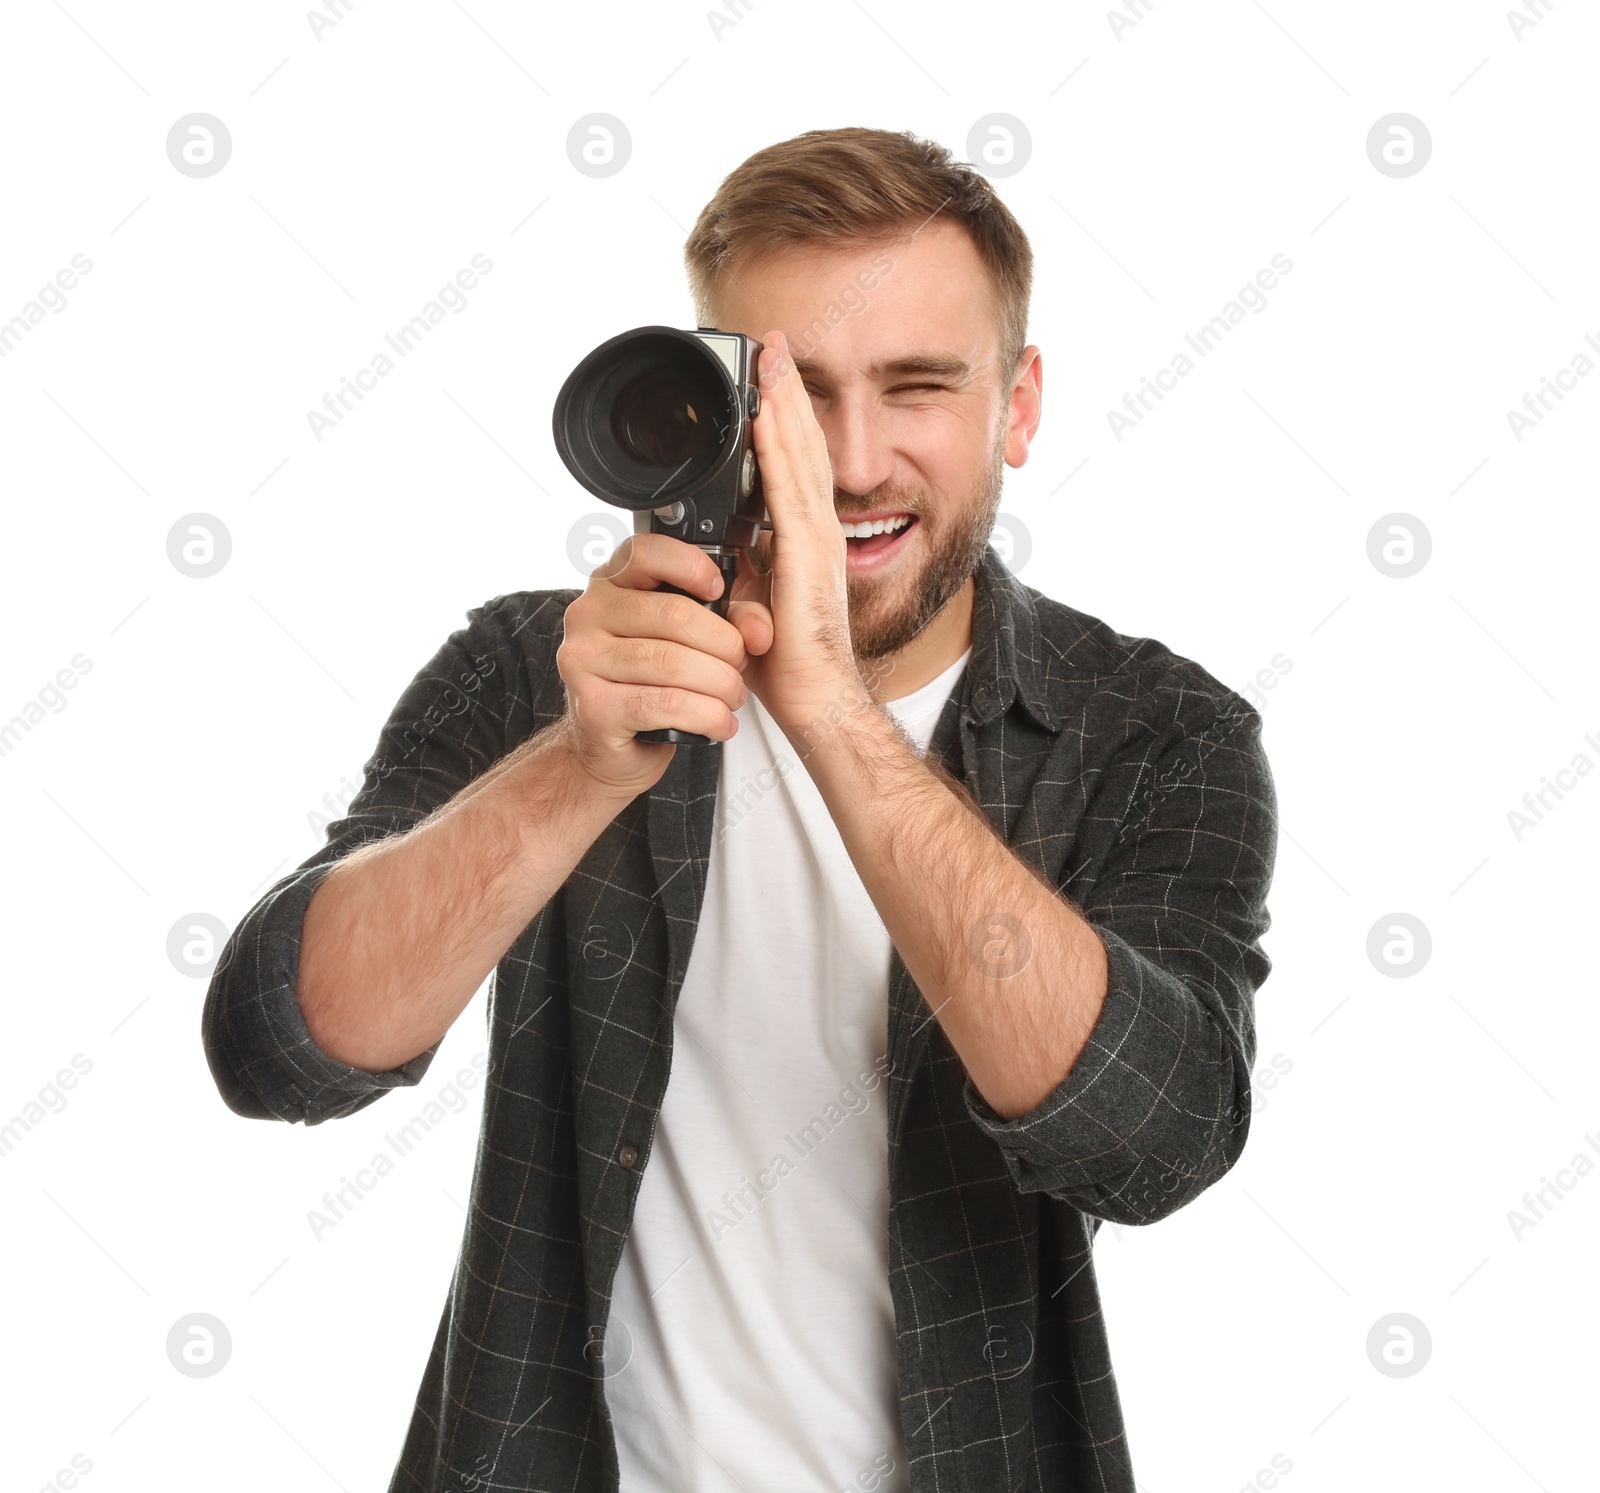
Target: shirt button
{"x": 628, "y": 1156}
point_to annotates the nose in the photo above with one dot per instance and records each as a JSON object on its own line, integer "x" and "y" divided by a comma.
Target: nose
{"x": 859, "y": 449}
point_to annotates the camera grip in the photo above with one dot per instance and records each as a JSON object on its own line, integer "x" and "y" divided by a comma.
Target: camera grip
{"x": 728, "y": 563}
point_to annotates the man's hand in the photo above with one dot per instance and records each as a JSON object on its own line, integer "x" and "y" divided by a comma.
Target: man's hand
{"x": 795, "y": 617}
{"x": 634, "y": 657}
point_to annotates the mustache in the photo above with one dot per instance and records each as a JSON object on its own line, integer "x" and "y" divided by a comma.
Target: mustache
{"x": 896, "y": 500}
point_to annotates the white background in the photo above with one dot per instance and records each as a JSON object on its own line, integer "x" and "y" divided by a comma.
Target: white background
{"x": 1168, "y": 165}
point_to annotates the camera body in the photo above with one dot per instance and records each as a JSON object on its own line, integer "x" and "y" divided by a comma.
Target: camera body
{"x": 659, "y": 421}
{"x": 727, "y": 506}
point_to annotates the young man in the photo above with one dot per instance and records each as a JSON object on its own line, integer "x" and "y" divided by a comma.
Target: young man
{"x": 949, "y": 945}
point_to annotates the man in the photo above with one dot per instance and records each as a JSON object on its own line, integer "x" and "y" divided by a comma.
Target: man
{"x": 949, "y": 943}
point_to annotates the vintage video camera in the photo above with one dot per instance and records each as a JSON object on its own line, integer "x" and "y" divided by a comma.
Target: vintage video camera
{"x": 658, "y": 420}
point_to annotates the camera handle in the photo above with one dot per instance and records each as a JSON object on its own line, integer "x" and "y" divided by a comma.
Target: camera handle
{"x": 728, "y": 563}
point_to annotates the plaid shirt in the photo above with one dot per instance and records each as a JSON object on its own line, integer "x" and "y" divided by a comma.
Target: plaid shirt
{"x": 1126, "y": 774}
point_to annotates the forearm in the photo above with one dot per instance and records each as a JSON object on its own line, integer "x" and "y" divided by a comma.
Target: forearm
{"x": 1012, "y": 972}
{"x": 401, "y": 933}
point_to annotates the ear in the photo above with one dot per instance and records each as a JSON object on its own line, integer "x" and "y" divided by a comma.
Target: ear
{"x": 1027, "y": 397}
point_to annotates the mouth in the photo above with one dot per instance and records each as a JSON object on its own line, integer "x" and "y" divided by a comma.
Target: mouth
{"x": 868, "y": 550}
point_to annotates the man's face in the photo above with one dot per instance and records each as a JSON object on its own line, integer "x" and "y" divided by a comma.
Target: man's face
{"x": 899, "y": 346}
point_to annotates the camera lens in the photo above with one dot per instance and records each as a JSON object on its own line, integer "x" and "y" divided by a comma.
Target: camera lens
{"x": 647, "y": 418}
{"x": 666, "y": 416}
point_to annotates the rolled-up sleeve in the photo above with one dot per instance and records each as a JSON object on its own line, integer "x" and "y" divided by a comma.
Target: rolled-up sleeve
{"x": 264, "y": 1061}
{"x": 1157, "y": 1105}
{"x": 465, "y": 709}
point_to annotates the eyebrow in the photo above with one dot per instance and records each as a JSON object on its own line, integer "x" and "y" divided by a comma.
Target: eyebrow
{"x": 937, "y": 365}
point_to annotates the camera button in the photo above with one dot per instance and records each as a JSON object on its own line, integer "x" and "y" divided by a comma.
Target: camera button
{"x": 753, "y": 401}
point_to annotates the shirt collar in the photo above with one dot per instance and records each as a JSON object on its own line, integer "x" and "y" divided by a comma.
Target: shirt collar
{"x": 1007, "y": 663}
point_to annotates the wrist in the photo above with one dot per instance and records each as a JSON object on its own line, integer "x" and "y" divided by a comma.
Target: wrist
{"x": 851, "y": 726}
{"x": 562, "y": 752}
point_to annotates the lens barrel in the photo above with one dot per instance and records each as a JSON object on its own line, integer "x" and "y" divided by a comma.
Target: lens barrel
{"x": 661, "y": 421}
{"x": 648, "y": 417}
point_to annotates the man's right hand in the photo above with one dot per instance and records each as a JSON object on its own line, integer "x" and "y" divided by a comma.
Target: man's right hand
{"x": 634, "y": 657}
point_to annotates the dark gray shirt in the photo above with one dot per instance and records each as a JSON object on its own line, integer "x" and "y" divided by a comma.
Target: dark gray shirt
{"x": 1126, "y": 774}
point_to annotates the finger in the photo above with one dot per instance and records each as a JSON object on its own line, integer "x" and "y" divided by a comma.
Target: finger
{"x": 778, "y": 470}
{"x": 682, "y": 619}
{"x": 781, "y": 383}
{"x": 663, "y": 663}
{"x": 752, "y": 588}
{"x": 796, "y": 449}
{"x": 642, "y": 707}
{"x": 754, "y": 621}
{"x": 805, "y": 417}
{"x": 642, "y": 562}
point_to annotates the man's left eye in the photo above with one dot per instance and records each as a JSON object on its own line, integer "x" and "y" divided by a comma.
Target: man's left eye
{"x": 916, "y": 388}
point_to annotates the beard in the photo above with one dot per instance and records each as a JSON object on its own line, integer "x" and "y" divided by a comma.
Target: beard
{"x": 887, "y": 614}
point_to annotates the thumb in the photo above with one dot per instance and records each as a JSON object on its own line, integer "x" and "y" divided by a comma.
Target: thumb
{"x": 754, "y": 621}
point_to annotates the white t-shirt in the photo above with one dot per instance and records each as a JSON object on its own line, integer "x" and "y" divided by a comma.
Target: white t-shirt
{"x": 752, "y": 1336}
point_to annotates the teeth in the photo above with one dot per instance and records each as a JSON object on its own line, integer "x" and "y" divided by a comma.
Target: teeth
{"x": 881, "y": 526}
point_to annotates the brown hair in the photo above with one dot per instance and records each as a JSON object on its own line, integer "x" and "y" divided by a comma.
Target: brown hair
{"x": 852, "y": 185}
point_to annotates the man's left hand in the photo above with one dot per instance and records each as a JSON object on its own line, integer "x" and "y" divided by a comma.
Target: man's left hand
{"x": 794, "y": 612}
